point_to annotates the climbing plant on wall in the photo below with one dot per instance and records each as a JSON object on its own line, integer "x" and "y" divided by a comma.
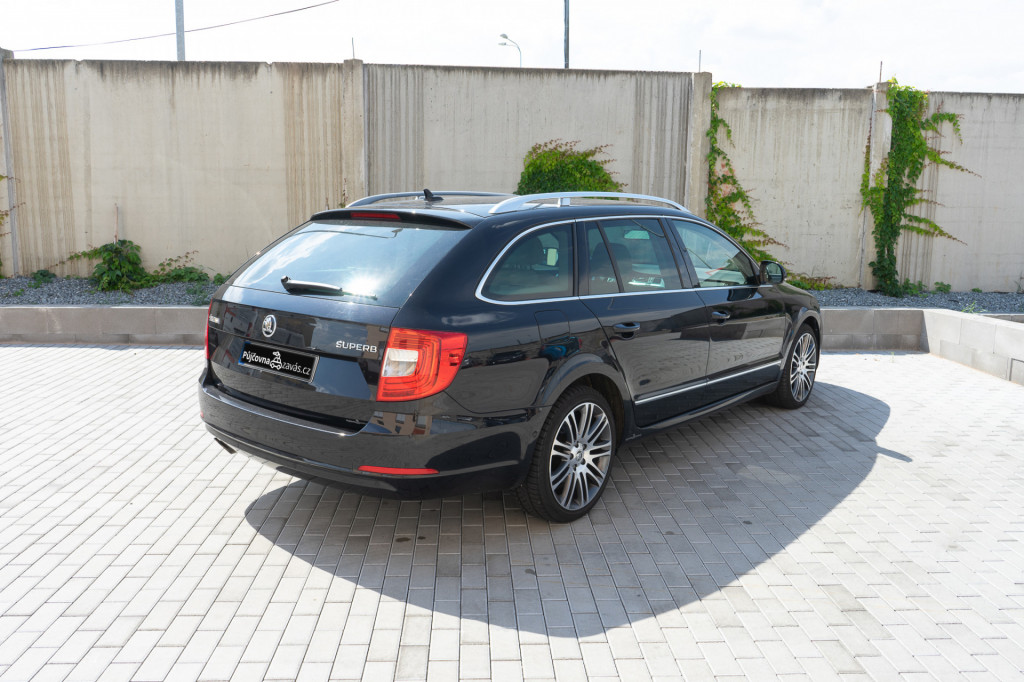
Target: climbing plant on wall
{"x": 893, "y": 191}
{"x": 557, "y": 166}
{"x": 727, "y": 203}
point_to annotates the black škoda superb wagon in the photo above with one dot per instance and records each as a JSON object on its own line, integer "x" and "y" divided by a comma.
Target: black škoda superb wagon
{"x": 429, "y": 344}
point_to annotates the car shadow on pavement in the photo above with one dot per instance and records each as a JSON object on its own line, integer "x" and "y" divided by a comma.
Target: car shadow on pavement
{"x": 691, "y": 511}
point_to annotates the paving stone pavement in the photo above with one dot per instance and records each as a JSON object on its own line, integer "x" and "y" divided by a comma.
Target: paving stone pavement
{"x": 875, "y": 534}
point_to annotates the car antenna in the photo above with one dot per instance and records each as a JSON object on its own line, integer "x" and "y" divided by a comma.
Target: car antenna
{"x": 429, "y": 196}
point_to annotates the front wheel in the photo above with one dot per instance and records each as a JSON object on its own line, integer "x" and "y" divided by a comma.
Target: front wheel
{"x": 572, "y": 457}
{"x": 798, "y": 373}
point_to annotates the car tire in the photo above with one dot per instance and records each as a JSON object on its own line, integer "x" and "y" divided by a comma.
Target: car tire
{"x": 572, "y": 457}
{"x": 797, "y": 380}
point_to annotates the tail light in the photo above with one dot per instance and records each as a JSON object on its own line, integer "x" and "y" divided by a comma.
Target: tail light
{"x": 419, "y": 363}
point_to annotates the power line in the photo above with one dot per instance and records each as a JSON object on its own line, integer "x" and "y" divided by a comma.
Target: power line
{"x": 191, "y": 30}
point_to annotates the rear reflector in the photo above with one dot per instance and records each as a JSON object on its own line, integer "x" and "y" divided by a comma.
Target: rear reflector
{"x": 419, "y": 363}
{"x": 397, "y": 471}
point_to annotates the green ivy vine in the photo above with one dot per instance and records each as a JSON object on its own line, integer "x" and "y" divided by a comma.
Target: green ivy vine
{"x": 557, "y": 166}
{"x": 727, "y": 204}
{"x": 894, "y": 190}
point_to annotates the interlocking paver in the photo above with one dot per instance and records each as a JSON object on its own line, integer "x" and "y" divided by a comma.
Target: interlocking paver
{"x": 875, "y": 534}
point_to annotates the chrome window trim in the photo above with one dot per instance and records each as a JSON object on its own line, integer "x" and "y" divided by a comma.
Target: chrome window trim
{"x": 584, "y": 298}
{"x": 533, "y": 301}
{"x": 738, "y": 286}
{"x": 713, "y": 228}
{"x": 479, "y": 293}
{"x": 490, "y": 268}
{"x": 705, "y": 383}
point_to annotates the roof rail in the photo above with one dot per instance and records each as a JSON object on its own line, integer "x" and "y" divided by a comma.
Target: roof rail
{"x": 365, "y": 201}
{"x": 565, "y": 199}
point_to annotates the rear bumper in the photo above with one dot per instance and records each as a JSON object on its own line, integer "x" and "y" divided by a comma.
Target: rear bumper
{"x": 470, "y": 453}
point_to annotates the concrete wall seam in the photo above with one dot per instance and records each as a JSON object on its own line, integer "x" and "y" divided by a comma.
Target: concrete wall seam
{"x": 11, "y": 254}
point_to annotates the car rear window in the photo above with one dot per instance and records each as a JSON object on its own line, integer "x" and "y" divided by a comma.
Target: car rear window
{"x": 374, "y": 262}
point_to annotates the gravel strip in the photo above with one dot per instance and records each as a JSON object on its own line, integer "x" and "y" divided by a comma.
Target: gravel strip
{"x": 965, "y": 301}
{"x": 74, "y": 291}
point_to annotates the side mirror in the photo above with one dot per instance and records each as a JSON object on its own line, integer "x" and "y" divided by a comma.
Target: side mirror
{"x": 772, "y": 272}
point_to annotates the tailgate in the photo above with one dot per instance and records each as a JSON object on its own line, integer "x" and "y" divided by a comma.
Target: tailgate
{"x": 317, "y": 359}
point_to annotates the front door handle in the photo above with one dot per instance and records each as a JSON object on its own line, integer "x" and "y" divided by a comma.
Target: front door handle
{"x": 720, "y": 316}
{"x": 627, "y": 329}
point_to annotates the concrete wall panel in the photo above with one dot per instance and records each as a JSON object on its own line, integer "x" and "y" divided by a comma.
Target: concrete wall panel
{"x": 469, "y": 128}
{"x": 221, "y": 158}
{"x": 982, "y": 210}
{"x": 217, "y": 158}
{"x": 800, "y": 156}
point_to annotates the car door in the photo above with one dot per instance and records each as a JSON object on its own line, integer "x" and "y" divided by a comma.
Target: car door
{"x": 748, "y": 325}
{"x": 656, "y": 328}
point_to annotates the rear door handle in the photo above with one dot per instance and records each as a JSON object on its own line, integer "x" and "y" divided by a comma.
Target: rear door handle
{"x": 627, "y": 329}
{"x": 720, "y": 316}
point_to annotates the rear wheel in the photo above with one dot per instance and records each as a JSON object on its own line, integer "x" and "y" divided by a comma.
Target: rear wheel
{"x": 798, "y": 374}
{"x": 572, "y": 457}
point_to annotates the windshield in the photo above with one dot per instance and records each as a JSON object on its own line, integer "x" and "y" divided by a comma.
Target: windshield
{"x": 375, "y": 262}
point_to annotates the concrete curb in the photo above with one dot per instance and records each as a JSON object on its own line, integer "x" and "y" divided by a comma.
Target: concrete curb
{"x": 104, "y": 325}
{"x": 990, "y": 343}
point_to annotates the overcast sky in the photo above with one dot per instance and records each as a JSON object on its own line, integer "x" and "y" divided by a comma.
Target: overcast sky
{"x": 940, "y": 45}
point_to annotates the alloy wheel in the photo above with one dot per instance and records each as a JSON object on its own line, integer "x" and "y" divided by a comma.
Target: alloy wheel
{"x": 580, "y": 456}
{"x": 803, "y": 366}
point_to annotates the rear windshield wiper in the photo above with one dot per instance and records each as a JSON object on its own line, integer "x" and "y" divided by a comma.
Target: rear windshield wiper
{"x": 293, "y": 286}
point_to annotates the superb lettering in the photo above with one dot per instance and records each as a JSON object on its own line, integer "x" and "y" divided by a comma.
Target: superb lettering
{"x": 361, "y": 347}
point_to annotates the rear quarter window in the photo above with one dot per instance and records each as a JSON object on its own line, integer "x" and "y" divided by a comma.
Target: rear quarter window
{"x": 374, "y": 262}
{"x": 537, "y": 266}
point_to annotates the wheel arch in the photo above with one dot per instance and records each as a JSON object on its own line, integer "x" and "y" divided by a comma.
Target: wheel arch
{"x": 603, "y": 377}
{"x": 607, "y": 388}
{"x": 813, "y": 320}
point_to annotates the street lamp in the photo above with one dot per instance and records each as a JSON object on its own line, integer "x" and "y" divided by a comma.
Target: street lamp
{"x": 512, "y": 43}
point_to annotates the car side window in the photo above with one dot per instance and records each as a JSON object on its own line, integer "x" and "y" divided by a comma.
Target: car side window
{"x": 640, "y": 252}
{"x": 717, "y": 261}
{"x": 537, "y": 266}
{"x": 600, "y": 270}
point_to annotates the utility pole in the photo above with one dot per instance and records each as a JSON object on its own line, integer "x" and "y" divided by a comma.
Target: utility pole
{"x": 179, "y": 21}
{"x": 567, "y": 34}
